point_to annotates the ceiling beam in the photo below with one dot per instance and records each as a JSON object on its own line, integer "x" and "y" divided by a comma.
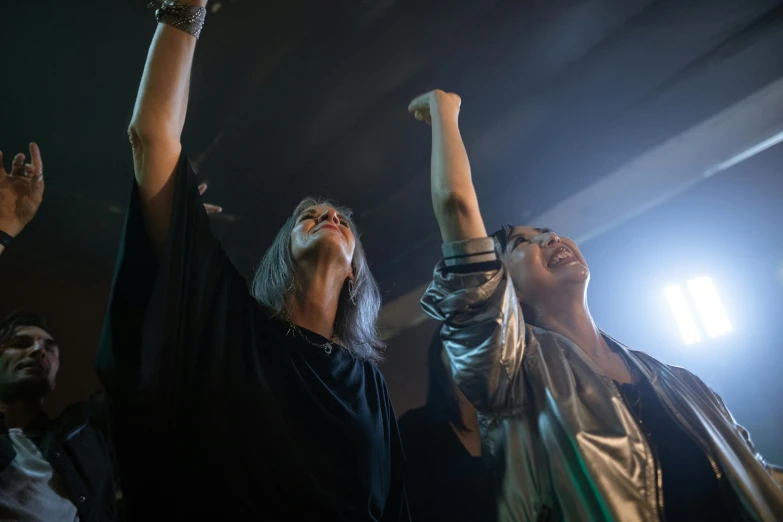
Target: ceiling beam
{"x": 736, "y": 133}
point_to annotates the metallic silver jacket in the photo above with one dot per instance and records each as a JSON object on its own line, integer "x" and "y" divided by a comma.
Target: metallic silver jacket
{"x": 557, "y": 429}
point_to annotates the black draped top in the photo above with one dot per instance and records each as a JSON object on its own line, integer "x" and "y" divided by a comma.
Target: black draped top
{"x": 220, "y": 411}
{"x": 445, "y": 482}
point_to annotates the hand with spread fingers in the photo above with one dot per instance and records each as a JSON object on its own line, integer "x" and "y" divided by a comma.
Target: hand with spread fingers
{"x": 21, "y": 191}
{"x": 209, "y": 207}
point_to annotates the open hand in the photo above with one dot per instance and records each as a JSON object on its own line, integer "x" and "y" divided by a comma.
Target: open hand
{"x": 435, "y": 102}
{"x": 21, "y": 191}
{"x": 209, "y": 207}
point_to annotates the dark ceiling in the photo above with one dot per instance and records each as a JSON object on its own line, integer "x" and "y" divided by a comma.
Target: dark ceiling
{"x": 308, "y": 98}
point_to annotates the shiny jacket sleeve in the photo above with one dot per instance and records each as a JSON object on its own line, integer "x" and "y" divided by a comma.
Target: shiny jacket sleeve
{"x": 772, "y": 469}
{"x": 483, "y": 329}
{"x": 775, "y": 471}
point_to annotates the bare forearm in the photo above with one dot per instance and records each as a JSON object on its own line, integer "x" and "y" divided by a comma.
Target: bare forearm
{"x": 157, "y": 123}
{"x": 453, "y": 195}
{"x": 161, "y": 103}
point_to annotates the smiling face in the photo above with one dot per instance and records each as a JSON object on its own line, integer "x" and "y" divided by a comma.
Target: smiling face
{"x": 543, "y": 265}
{"x": 322, "y": 232}
{"x": 29, "y": 361}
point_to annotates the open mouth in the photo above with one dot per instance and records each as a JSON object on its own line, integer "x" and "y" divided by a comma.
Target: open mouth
{"x": 560, "y": 257}
{"x": 33, "y": 365}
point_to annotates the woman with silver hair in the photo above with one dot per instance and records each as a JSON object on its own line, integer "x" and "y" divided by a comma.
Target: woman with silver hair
{"x": 579, "y": 426}
{"x": 231, "y": 404}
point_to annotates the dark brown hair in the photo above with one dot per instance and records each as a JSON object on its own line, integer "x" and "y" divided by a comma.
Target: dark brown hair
{"x": 18, "y": 319}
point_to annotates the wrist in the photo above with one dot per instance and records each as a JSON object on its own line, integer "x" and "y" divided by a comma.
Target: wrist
{"x": 197, "y": 3}
{"x": 11, "y": 227}
{"x": 187, "y": 17}
{"x": 446, "y": 115}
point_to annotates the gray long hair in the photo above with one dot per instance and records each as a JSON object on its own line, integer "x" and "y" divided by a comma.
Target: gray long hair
{"x": 356, "y": 324}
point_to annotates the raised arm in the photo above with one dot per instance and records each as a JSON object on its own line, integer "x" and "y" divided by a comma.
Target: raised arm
{"x": 158, "y": 119}
{"x": 453, "y": 196}
{"x": 21, "y": 193}
{"x": 483, "y": 329}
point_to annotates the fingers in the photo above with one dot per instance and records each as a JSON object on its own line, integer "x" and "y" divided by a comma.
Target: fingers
{"x": 38, "y": 185}
{"x": 19, "y": 168}
{"x": 212, "y": 209}
{"x": 422, "y": 115}
{"x": 17, "y": 165}
{"x": 35, "y": 156}
{"x": 202, "y": 188}
{"x": 434, "y": 102}
{"x": 420, "y": 102}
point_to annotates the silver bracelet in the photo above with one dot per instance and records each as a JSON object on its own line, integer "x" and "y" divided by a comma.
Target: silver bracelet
{"x": 185, "y": 17}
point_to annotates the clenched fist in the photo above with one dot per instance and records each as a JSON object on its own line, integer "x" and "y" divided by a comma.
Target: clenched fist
{"x": 437, "y": 102}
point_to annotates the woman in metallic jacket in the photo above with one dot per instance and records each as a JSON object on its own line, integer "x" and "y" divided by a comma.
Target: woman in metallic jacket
{"x": 579, "y": 426}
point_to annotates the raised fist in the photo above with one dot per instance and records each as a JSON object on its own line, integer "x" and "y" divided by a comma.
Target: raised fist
{"x": 434, "y": 102}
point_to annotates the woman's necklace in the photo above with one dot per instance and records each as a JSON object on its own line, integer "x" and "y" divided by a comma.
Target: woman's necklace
{"x": 326, "y": 347}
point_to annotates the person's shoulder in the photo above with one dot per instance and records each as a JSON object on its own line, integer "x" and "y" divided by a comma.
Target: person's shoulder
{"x": 94, "y": 409}
{"x": 72, "y": 419}
{"x": 694, "y": 382}
{"x": 683, "y": 375}
{"x": 372, "y": 373}
{"x": 658, "y": 366}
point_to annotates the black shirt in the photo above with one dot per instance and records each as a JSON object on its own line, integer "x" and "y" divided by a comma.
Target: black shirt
{"x": 691, "y": 488}
{"x": 444, "y": 481}
{"x": 77, "y": 444}
{"x": 221, "y": 412}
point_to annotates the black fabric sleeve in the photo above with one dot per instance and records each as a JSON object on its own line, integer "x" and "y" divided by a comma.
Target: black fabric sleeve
{"x": 158, "y": 309}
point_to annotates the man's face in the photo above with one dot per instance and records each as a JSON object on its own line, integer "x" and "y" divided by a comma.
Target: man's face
{"x": 29, "y": 362}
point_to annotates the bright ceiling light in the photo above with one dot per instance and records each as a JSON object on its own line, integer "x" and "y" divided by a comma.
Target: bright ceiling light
{"x": 708, "y": 304}
{"x": 682, "y": 314}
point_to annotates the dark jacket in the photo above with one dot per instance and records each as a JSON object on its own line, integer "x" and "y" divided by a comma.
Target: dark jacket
{"x": 77, "y": 446}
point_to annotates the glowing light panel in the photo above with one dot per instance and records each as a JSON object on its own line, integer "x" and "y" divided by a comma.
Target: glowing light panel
{"x": 709, "y": 306}
{"x": 682, "y": 314}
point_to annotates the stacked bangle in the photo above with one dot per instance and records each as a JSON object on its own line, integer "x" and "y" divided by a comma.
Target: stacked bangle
{"x": 185, "y": 17}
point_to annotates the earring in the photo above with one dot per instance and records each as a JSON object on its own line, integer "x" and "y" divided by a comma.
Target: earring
{"x": 351, "y": 291}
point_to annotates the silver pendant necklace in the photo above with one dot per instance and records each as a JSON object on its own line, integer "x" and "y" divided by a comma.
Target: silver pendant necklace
{"x": 327, "y": 347}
